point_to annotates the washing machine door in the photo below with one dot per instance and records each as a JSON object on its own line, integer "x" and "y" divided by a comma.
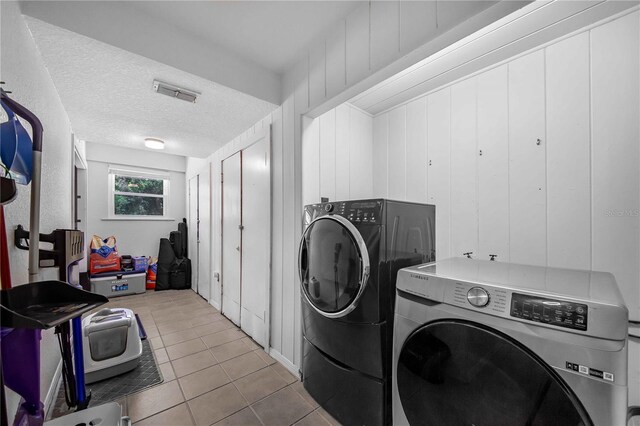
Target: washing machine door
{"x": 333, "y": 263}
{"x": 461, "y": 373}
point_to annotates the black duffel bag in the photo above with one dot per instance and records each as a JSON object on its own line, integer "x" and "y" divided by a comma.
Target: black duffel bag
{"x": 180, "y": 274}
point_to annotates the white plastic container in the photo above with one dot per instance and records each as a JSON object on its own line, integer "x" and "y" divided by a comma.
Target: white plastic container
{"x": 119, "y": 283}
{"x": 111, "y": 343}
{"x": 109, "y": 414}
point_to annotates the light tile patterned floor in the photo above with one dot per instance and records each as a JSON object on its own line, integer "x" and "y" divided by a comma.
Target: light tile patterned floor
{"x": 214, "y": 373}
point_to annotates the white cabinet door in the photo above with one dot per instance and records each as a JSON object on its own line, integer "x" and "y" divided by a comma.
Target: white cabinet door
{"x": 231, "y": 236}
{"x": 204, "y": 242}
{"x": 464, "y": 155}
{"x": 568, "y": 153}
{"x": 193, "y": 231}
{"x": 438, "y": 145}
{"x": 527, "y": 170}
{"x": 256, "y": 237}
{"x": 493, "y": 165}
{"x": 416, "y": 161}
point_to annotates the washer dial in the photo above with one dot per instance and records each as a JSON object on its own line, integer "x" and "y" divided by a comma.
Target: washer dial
{"x": 478, "y": 297}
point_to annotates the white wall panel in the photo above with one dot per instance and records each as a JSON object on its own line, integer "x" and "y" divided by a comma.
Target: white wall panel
{"x": 568, "y": 153}
{"x": 438, "y": 157}
{"x": 277, "y": 230}
{"x": 417, "y": 23}
{"x": 396, "y": 152}
{"x": 328, "y": 154}
{"x": 342, "y": 151}
{"x": 416, "y": 161}
{"x": 380, "y": 139}
{"x": 288, "y": 248}
{"x": 615, "y": 145}
{"x": 385, "y": 32}
{"x": 493, "y": 165}
{"x": 360, "y": 155}
{"x": 335, "y": 59}
{"x": 527, "y": 180}
{"x": 317, "y": 73}
{"x": 357, "y": 45}
{"x": 310, "y": 160}
{"x": 464, "y": 173}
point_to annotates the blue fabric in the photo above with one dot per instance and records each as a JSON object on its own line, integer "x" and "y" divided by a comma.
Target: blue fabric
{"x": 16, "y": 148}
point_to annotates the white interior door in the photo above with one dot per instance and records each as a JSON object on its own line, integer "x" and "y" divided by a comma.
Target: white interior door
{"x": 204, "y": 231}
{"x": 193, "y": 231}
{"x": 231, "y": 236}
{"x": 256, "y": 235}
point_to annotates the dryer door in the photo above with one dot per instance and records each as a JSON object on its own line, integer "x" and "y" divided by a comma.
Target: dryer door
{"x": 334, "y": 265}
{"x": 456, "y": 372}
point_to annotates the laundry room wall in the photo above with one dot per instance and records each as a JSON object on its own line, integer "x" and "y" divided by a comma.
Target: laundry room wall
{"x": 337, "y": 153}
{"x": 23, "y": 71}
{"x": 535, "y": 159}
{"x": 375, "y": 41}
{"x": 134, "y": 237}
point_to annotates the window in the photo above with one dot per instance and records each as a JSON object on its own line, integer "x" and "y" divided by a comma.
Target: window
{"x": 138, "y": 194}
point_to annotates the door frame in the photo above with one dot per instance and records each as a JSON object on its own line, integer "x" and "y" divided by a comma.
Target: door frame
{"x": 259, "y": 135}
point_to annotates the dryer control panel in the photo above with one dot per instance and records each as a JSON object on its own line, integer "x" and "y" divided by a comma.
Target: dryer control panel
{"x": 549, "y": 311}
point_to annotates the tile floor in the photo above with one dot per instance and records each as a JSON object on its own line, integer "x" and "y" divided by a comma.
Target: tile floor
{"x": 213, "y": 372}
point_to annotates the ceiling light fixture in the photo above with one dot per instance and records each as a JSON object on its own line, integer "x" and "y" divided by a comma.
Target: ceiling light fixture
{"x": 175, "y": 91}
{"x": 154, "y": 143}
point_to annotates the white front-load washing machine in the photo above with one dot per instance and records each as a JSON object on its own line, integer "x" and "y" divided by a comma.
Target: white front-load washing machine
{"x": 492, "y": 343}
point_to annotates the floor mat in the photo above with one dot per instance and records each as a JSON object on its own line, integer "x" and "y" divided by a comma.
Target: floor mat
{"x": 147, "y": 374}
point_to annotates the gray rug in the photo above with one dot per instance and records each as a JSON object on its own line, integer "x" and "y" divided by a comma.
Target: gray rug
{"x": 147, "y": 374}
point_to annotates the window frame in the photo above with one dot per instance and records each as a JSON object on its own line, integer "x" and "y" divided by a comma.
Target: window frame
{"x": 139, "y": 174}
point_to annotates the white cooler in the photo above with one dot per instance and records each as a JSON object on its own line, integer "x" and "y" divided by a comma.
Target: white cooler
{"x": 111, "y": 343}
{"x": 118, "y": 283}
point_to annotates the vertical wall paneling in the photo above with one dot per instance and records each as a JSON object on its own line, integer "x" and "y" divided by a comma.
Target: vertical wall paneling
{"x": 317, "y": 73}
{"x": 615, "y": 153}
{"x": 288, "y": 252}
{"x": 417, "y": 23}
{"x": 360, "y": 155}
{"x": 385, "y": 30}
{"x": 335, "y": 60}
{"x": 357, "y": 45}
{"x": 277, "y": 203}
{"x": 328, "y": 154}
{"x": 416, "y": 162}
{"x": 301, "y": 106}
{"x": 380, "y": 136}
{"x": 464, "y": 173}
{"x": 493, "y": 165}
{"x": 310, "y": 157}
{"x": 396, "y": 152}
{"x": 527, "y": 175}
{"x": 342, "y": 152}
{"x": 438, "y": 156}
{"x": 568, "y": 153}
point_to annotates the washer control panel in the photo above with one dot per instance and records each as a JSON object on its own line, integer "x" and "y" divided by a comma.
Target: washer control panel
{"x": 361, "y": 211}
{"x": 549, "y": 311}
{"x": 478, "y": 297}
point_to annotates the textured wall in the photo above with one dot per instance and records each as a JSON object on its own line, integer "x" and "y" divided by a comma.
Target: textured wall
{"x": 26, "y": 76}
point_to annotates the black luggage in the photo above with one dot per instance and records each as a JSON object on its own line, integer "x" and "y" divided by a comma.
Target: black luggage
{"x": 182, "y": 227}
{"x": 166, "y": 259}
{"x": 176, "y": 238}
{"x": 180, "y": 275}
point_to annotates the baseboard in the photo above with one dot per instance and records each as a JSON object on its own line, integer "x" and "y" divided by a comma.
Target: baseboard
{"x": 215, "y": 304}
{"x": 285, "y": 362}
{"x": 52, "y": 393}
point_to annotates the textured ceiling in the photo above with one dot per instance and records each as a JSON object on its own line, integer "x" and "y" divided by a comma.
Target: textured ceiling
{"x": 108, "y": 95}
{"x": 270, "y": 33}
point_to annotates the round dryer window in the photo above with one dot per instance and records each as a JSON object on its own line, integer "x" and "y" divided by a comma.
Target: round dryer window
{"x": 333, "y": 265}
{"x": 461, "y": 373}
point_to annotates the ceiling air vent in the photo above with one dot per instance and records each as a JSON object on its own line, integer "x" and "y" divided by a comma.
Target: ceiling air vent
{"x": 175, "y": 91}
